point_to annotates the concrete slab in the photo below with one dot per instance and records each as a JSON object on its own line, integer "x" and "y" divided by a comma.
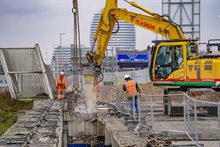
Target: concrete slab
{"x": 119, "y": 132}
{"x": 171, "y": 128}
{"x": 46, "y": 133}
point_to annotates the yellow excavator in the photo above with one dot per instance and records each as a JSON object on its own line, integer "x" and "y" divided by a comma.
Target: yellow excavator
{"x": 174, "y": 62}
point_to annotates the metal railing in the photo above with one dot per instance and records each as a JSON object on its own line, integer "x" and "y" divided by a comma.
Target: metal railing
{"x": 195, "y": 123}
{"x": 141, "y": 76}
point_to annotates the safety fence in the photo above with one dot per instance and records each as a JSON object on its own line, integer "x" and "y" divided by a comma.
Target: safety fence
{"x": 141, "y": 76}
{"x": 200, "y": 120}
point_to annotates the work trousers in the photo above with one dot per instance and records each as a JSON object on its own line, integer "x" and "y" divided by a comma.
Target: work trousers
{"x": 132, "y": 104}
{"x": 60, "y": 94}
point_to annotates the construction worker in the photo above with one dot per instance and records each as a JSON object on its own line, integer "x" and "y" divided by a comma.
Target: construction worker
{"x": 132, "y": 89}
{"x": 60, "y": 86}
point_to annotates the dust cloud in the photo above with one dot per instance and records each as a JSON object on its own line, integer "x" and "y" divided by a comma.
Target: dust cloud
{"x": 89, "y": 91}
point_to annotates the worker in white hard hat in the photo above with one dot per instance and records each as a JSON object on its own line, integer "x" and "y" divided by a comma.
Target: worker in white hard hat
{"x": 60, "y": 86}
{"x": 132, "y": 89}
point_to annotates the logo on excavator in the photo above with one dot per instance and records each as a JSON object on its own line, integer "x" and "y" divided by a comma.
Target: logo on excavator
{"x": 132, "y": 18}
{"x": 142, "y": 23}
{"x": 190, "y": 67}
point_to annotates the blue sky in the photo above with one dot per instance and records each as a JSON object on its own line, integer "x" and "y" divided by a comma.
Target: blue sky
{"x": 26, "y": 22}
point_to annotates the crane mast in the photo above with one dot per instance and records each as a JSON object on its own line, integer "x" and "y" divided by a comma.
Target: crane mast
{"x": 76, "y": 49}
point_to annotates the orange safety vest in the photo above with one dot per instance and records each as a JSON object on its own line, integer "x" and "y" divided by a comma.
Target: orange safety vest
{"x": 131, "y": 88}
{"x": 61, "y": 83}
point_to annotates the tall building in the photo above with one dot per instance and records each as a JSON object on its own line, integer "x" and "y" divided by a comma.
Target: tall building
{"x": 65, "y": 61}
{"x": 124, "y": 39}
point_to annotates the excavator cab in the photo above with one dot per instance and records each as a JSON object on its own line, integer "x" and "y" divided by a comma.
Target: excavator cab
{"x": 169, "y": 59}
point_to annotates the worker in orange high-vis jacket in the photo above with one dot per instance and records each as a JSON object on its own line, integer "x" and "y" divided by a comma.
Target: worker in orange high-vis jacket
{"x": 132, "y": 89}
{"x": 60, "y": 86}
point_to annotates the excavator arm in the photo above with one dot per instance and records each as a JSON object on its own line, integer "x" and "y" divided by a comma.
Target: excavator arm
{"x": 111, "y": 13}
{"x": 102, "y": 34}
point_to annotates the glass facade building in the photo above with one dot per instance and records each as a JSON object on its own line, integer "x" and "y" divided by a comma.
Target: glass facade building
{"x": 66, "y": 59}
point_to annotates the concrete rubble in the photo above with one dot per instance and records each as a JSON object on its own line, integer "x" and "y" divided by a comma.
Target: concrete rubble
{"x": 76, "y": 120}
{"x": 29, "y": 131}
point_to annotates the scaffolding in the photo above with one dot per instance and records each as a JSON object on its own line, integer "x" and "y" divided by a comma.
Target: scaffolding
{"x": 186, "y": 13}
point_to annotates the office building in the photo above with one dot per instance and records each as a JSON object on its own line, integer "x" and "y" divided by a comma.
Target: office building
{"x": 62, "y": 58}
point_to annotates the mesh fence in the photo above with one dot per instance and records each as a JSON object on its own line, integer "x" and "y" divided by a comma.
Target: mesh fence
{"x": 25, "y": 72}
{"x": 200, "y": 117}
{"x": 198, "y": 120}
{"x": 22, "y": 60}
{"x": 31, "y": 84}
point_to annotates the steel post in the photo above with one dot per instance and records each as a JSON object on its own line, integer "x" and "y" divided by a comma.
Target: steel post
{"x": 110, "y": 95}
{"x": 119, "y": 101}
{"x": 138, "y": 128}
{"x": 139, "y": 111}
{"x": 219, "y": 121}
{"x": 127, "y": 106}
{"x": 184, "y": 110}
{"x": 152, "y": 112}
{"x": 187, "y": 113}
{"x": 117, "y": 98}
{"x": 133, "y": 103}
{"x": 107, "y": 94}
{"x": 101, "y": 93}
{"x": 195, "y": 119}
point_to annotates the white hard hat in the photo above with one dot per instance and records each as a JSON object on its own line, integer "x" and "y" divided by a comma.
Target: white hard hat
{"x": 127, "y": 77}
{"x": 61, "y": 73}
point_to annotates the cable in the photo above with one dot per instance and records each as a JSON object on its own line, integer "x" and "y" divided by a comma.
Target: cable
{"x": 117, "y": 27}
{"x": 109, "y": 18}
{"x": 175, "y": 25}
{"x": 101, "y": 77}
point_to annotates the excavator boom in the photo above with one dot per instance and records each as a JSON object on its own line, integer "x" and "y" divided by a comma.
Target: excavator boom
{"x": 111, "y": 13}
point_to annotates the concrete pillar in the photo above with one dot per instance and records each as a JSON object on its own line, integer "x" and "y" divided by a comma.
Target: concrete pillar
{"x": 90, "y": 128}
{"x": 64, "y": 139}
{"x": 71, "y": 133}
{"x": 114, "y": 142}
{"x": 100, "y": 129}
{"x": 107, "y": 137}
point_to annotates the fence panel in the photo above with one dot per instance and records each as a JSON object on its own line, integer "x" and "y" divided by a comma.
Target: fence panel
{"x": 200, "y": 121}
